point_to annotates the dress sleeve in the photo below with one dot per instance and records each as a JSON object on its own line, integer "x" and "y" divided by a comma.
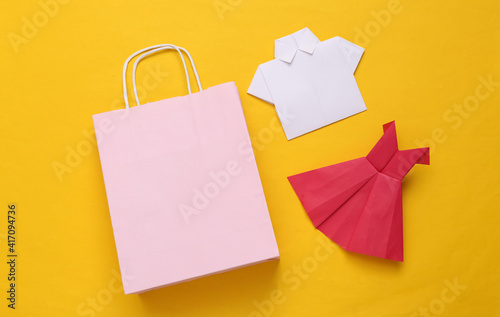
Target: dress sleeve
{"x": 352, "y": 52}
{"x": 258, "y": 87}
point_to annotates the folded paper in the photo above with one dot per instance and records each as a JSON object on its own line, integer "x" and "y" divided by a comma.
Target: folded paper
{"x": 183, "y": 188}
{"x": 358, "y": 203}
{"x": 311, "y": 83}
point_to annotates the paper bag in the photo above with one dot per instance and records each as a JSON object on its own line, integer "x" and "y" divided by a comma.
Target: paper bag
{"x": 183, "y": 189}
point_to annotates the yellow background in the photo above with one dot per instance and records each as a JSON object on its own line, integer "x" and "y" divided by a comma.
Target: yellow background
{"x": 422, "y": 61}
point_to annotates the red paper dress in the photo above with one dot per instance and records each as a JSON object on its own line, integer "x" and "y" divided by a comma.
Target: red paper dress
{"x": 358, "y": 203}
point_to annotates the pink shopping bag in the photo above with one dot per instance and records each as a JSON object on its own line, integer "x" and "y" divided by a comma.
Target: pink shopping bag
{"x": 183, "y": 189}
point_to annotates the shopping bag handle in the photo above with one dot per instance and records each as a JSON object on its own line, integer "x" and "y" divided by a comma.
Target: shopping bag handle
{"x": 148, "y": 51}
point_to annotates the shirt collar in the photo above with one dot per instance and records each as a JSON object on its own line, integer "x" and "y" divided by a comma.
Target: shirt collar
{"x": 286, "y": 47}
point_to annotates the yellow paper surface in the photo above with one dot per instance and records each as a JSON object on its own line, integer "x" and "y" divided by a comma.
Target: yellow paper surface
{"x": 427, "y": 65}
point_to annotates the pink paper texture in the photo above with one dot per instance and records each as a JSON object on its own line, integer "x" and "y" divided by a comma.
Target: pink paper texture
{"x": 183, "y": 189}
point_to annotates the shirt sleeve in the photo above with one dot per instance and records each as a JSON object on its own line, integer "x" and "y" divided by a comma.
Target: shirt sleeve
{"x": 352, "y": 52}
{"x": 258, "y": 87}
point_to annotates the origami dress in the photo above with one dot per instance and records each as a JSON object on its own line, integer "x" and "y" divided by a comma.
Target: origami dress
{"x": 358, "y": 203}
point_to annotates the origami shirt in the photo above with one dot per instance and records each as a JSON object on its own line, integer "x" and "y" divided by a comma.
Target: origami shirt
{"x": 311, "y": 83}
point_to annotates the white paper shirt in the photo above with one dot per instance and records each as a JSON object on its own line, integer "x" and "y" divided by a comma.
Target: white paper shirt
{"x": 311, "y": 83}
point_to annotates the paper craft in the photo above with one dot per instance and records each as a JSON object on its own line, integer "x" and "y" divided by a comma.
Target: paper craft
{"x": 183, "y": 189}
{"x": 311, "y": 83}
{"x": 358, "y": 203}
